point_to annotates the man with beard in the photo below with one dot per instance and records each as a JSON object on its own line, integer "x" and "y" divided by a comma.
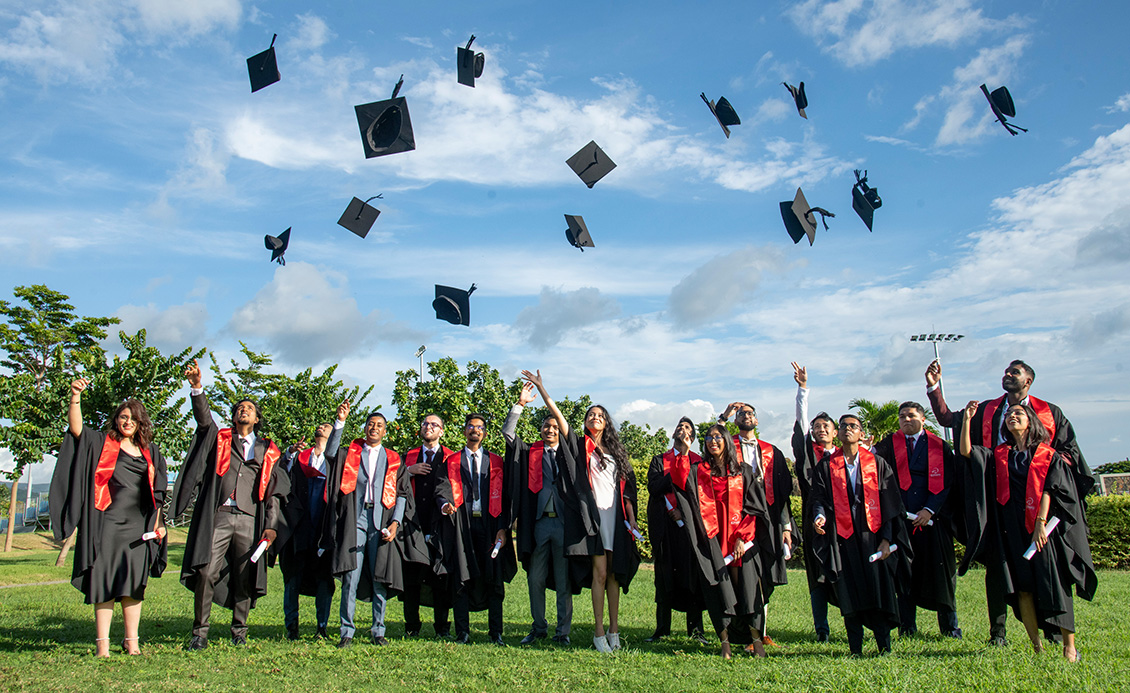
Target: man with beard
{"x": 369, "y": 496}
{"x": 812, "y": 447}
{"x": 541, "y": 525}
{"x": 476, "y": 551}
{"x": 241, "y": 486}
{"x": 421, "y": 583}
{"x": 987, "y": 429}
{"x": 771, "y": 470}
{"x": 924, "y": 466}
{"x": 304, "y": 571}
{"x": 675, "y": 581}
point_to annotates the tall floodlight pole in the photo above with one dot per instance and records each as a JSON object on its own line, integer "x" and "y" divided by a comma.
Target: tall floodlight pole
{"x": 936, "y": 339}
{"x": 420, "y": 355}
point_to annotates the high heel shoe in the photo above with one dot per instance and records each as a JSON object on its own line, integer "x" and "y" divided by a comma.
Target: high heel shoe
{"x": 125, "y": 646}
{"x": 726, "y": 654}
{"x": 98, "y": 640}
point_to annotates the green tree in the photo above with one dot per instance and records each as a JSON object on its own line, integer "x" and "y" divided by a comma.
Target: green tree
{"x": 42, "y": 341}
{"x": 291, "y": 406}
{"x": 881, "y": 420}
{"x": 1120, "y": 467}
{"x": 641, "y": 443}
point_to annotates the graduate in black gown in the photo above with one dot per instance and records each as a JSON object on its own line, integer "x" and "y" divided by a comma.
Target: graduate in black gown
{"x": 859, "y": 513}
{"x": 1028, "y": 483}
{"x": 110, "y": 486}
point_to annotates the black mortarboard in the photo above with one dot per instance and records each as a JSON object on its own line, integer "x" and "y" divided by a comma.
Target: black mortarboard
{"x": 798, "y": 97}
{"x": 1003, "y": 108}
{"x": 277, "y": 246}
{"x": 386, "y": 127}
{"x": 591, "y": 163}
{"x": 865, "y": 199}
{"x": 263, "y": 68}
{"x": 800, "y": 221}
{"x": 724, "y": 112}
{"x": 360, "y": 216}
{"x": 470, "y": 64}
{"x": 453, "y": 305}
{"x": 578, "y": 232}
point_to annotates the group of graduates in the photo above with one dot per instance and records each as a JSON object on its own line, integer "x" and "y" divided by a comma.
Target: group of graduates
{"x": 447, "y": 529}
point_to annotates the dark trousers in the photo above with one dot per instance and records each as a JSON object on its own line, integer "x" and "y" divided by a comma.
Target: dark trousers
{"x": 908, "y": 617}
{"x": 663, "y": 620}
{"x": 415, "y": 576}
{"x": 481, "y": 538}
{"x": 818, "y": 598}
{"x": 994, "y": 596}
{"x": 854, "y": 627}
{"x": 549, "y": 540}
{"x": 233, "y": 540}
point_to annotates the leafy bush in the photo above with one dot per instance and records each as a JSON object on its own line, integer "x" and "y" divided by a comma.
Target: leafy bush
{"x": 1109, "y": 519}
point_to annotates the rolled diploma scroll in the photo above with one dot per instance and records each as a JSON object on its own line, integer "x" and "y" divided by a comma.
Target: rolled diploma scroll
{"x": 496, "y": 549}
{"x": 788, "y": 552}
{"x": 384, "y": 532}
{"x": 259, "y": 551}
{"x": 879, "y": 554}
{"x": 634, "y": 532}
{"x": 149, "y": 536}
{"x": 1052, "y": 524}
{"x": 666, "y": 502}
{"x": 738, "y": 551}
{"x": 914, "y": 516}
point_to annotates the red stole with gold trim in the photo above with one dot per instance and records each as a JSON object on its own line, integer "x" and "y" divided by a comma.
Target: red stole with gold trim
{"x": 107, "y": 461}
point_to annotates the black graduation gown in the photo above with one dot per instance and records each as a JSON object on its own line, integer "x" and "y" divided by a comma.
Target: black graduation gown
{"x": 110, "y": 559}
{"x": 525, "y": 507}
{"x": 676, "y": 580}
{"x": 933, "y": 572}
{"x": 807, "y": 465}
{"x": 465, "y": 561}
{"x": 582, "y": 522}
{"x": 301, "y": 530}
{"x": 780, "y": 519}
{"x": 199, "y": 482}
{"x": 1064, "y": 562}
{"x": 421, "y": 523}
{"x": 339, "y": 530}
{"x": 859, "y": 588}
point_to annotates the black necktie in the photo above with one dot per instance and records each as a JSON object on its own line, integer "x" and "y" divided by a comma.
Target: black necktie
{"x": 550, "y": 459}
{"x": 428, "y": 457}
{"x": 474, "y": 480}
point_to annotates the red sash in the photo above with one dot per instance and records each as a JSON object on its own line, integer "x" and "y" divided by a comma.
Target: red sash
{"x": 107, "y": 460}
{"x": 708, "y": 501}
{"x": 353, "y": 468}
{"x": 679, "y": 467}
{"x": 1043, "y": 413}
{"x": 766, "y": 451}
{"x": 537, "y": 450}
{"x": 223, "y": 459}
{"x": 455, "y": 476}
{"x": 1034, "y": 486}
{"x": 413, "y": 457}
{"x": 935, "y": 455}
{"x": 304, "y": 465}
{"x": 869, "y": 477}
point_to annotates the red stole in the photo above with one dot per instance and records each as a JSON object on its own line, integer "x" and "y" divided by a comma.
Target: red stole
{"x": 455, "y": 476}
{"x": 766, "y": 451}
{"x": 1043, "y": 413}
{"x": 1034, "y": 486}
{"x": 304, "y": 464}
{"x": 223, "y": 459}
{"x": 679, "y": 467}
{"x": 711, "y": 496}
{"x": 353, "y": 467}
{"x": 413, "y": 457}
{"x": 107, "y": 460}
{"x": 869, "y": 478}
{"x": 537, "y": 451}
{"x": 935, "y": 455}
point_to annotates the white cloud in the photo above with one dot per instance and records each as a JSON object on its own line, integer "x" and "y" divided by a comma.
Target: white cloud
{"x": 192, "y": 18}
{"x": 312, "y": 34}
{"x": 714, "y": 289}
{"x": 864, "y": 32}
{"x": 1122, "y": 105}
{"x": 664, "y": 415}
{"x": 170, "y": 329}
{"x": 559, "y": 312}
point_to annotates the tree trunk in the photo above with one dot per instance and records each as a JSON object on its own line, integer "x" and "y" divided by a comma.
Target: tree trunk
{"x": 12, "y": 514}
{"x": 62, "y": 559}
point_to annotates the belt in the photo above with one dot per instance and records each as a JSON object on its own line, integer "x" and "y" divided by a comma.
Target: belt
{"x": 476, "y": 513}
{"x": 549, "y": 514}
{"x": 230, "y": 509}
{"x": 369, "y": 506}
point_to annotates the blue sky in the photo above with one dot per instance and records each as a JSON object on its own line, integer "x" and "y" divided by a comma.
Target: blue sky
{"x": 140, "y": 175}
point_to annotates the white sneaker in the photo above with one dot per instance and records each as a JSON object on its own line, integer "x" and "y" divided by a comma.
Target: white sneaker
{"x": 600, "y": 642}
{"x": 613, "y": 640}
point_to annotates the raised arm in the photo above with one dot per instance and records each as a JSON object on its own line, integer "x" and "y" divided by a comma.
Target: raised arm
{"x": 800, "y": 375}
{"x": 200, "y": 409}
{"x": 334, "y": 441}
{"x": 510, "y": 426}
{"x": 74, "y": 411}
{"x": 562, "y": 424}
{"x": 938, "y": 404}
{"x": 964, "y": 446}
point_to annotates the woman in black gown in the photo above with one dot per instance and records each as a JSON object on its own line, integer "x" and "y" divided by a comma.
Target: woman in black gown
{"x": 1027, "y": 483}
{"x": 111, "y": 486}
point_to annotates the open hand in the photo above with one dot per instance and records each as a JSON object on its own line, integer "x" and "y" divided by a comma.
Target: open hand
{"x": 192, "y": 374}
{"x": 800, "y": 374}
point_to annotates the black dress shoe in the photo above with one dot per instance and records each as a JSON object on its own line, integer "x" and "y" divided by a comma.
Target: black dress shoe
{"x": 908, "y": 632}
{"x": 561, "y": 639}
{"x": 998, "y": 641}
{"x": 532, "y": 638}
{"x": 699, "y": 637}
{"x": 497, "y": 640}
{"x": 378, "y": 640}
{"x": 821, "y": 637}
{"x": 238, "y": 640}
{"x": 411, "y": 633}
{"x": 292, "y": 633}
{"x": 463, "y": 639}
{"x": 656, "y": 637}
{"x": 444, "y": 634}
{"x": 955, "y": 634}
{"x": 197, "y": 643}
{"x": 322, "y": 634}
{"x": 344, "y": 642}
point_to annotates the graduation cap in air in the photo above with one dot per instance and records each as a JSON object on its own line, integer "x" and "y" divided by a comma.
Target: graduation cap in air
{"x": 277, "y": 246}
{"x": 263, "y": 68}
{"x": 386, "y": 127}
{"x": 470, "y": 64}
{"x": 1003, "y": 108}
{"x": 360, "y": 216}
{"x": 578, "y": 232}
{"x": 453, "y": 305}
{"x": 591, "y": 163}
{"x": 865, "y": 199}
{"x": 724, "y": 112}
{"x": 800, "y": 218}
{"x": 799, "y": 98}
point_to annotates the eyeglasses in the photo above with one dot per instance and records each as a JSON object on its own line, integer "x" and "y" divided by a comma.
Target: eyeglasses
{"x": 851, "y": 427}
{"x": 714, "y": 439}
{"x": 431, "y": 424}
{"x": 475, "y": 427}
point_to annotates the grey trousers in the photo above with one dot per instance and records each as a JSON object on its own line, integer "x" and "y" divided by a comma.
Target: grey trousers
{"x": 549, "y": 544}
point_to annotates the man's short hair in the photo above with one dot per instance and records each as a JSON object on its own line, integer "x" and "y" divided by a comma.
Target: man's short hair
{"x": 376, "y": 413}
{"x": 851, "y": 416}
{"x": 475, "y": 415}
{"x": 825, "y": 416}
{"x": 913, "y": 405}
{"x": 1025, "y": 367}
{"x": 687, "y": 419}
{"x": 425, "y": 419}
{"x": 258, "y": 412}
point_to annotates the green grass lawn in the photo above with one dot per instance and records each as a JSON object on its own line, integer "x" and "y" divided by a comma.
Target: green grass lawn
{"x": 46, "y": 644}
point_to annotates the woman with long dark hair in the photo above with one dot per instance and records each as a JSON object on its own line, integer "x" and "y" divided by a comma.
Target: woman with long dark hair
{"x": 1027, "y": 485}
{"x": 111, "y": 486}
{"x": 600, "y": 495}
